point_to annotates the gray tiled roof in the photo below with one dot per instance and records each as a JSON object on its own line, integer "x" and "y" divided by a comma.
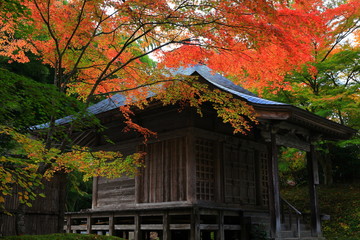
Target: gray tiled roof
{"x": 216, "y": 79}
{"x": 225, "y": 84}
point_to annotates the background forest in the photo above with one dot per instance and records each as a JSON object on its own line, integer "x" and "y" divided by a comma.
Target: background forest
{"x": 59, "y": 57}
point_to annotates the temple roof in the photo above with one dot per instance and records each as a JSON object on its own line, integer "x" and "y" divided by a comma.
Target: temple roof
{"x": 266, "y": 109}
{"x": 207, "y": 74}
{"x": 225, "y": 84}
{"x": 203, "y": 71}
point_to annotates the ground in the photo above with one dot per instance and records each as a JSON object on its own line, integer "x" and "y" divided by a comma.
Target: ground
{"x": 341, "y": 202}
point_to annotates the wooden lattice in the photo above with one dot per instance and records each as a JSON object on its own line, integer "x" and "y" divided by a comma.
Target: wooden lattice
{"x": 205, "y": 172}
{"x": 264, "y": 176}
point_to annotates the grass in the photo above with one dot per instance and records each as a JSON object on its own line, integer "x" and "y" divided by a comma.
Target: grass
{"x": 341, "y": 202}
{"x": 61, "y": 236}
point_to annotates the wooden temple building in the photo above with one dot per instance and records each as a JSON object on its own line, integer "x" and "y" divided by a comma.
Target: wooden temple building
{"x": 201, "y": 181}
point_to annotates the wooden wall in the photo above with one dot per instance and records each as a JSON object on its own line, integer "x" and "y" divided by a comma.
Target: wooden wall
{"x": 115, "y": 191}
{"x": 239, "y": 172}
{"x": 192, "y": 159}
{"x": 245, "y": 175}
{"x": 44, "y": 217}
{"x": 164, "y": 179}
{"x": 230, "y": 170}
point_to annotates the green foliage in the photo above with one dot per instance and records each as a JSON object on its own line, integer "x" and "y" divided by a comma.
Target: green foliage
{"x": 19, "y": 167}
{"x": 33, "y": 69}
{"x": 22, "y": 164}
{"x": 292, "y": 166}
{"x": 258, "y": 232}
{"x": 78, "y": 194}
{"x": 346, "y": 161}
{"x": 341, "y": 202}
{"x": 329, "y": 88}
{"x": 25, "y": 102}
{"x": 13, "y": 6}
{"x": 25, "y": 161}
{"x": 62, "y": 236}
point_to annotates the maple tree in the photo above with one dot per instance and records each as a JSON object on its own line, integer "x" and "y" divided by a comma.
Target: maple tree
{"x": 98, "y": 48}
{"x": 24, "y": 103}
{"x": 328, "y": 85}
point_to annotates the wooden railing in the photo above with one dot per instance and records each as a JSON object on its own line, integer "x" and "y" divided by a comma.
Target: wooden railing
{"x": 136, "y": 223}
{"x": 288, "y": 212}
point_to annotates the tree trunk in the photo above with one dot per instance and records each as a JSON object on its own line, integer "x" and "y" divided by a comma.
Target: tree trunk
{"x": 20, "y": 220}
{"x": 62, "y": 200}
{"x": 326, "y": 165}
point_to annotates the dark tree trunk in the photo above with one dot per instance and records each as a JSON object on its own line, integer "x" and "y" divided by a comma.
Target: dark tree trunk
{"x": 326, "y": 166}
{"x": 62, "y": 200}
{"x": 20, "y": 220}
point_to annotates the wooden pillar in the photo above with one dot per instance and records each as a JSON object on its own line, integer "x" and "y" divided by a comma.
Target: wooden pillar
{"x": 221, "y": 233}
{"x": 220, "y": 164}
{"x": 68, "y": 224}
{"x": 95, "y": 192}
{"x": 166, "y": 227}
{"x": 88, "y": 224}
{"x": 62, "y": 181}
{"x": 245, "y": 227}
{"x": 137, "y": 232}
{"x": 274, "y": 192}
{"x": 312, "y": 166}
{"x": 111, "y": 225}
{"x": 191, "y": 169}
{"x": 195, "y": 224}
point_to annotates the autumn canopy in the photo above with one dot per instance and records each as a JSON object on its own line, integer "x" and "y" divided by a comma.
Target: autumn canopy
{"x": 99, "y": 46}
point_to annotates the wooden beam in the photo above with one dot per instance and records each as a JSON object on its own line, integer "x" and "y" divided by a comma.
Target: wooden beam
{"x": 75, "y": 228}
{"x": 312, "y": 167}
{"x": 99, "y": 227}
{"x": 212, "y": 227}
{"x": 274, "y": 192}
{"x": 232, "y": 227}
{"x": 271, "y": 114}
{"x": 124, "y": 227}
{"x": 289, "y": 137}
{"x": 152, "y": 227}
{"x": 180, "y": 227}
{"x": 292, "y": 141}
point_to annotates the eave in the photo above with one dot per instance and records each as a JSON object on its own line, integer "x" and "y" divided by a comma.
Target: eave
{"x": 327, "y": 129}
